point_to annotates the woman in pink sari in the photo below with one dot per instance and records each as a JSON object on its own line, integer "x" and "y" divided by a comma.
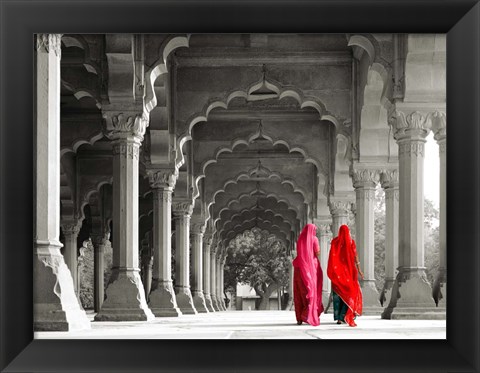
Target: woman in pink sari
{"x": 308, "y": 278}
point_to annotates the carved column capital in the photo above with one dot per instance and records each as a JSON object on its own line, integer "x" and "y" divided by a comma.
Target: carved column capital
{"x": 340, "y": 207}
{"x": 162, "y": 178}
{"x": 49, "y": 42}
{"x": 71, "y": 227}
{"x": 197, "y": 228}
{"x": 439, "y": 125}
{"x": 182, "y": 208}
{"x": 125, "y": 124}
{"x": 365, "y": 178}
{"x": 413, "y": 125}
{"x": 324, "y": 229}
{"x": 389, "y": 178}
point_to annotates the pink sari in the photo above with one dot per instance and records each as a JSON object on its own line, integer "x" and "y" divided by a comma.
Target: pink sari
{"x": 308, "y": 278}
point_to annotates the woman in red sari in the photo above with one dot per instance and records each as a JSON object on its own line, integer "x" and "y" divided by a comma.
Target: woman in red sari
{"x": 308, "y": 278}
{"x": 343, "y": 270}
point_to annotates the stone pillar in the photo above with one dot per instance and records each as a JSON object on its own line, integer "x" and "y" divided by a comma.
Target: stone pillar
{"x": 70, "y": 231}
{"x": 339, "y": 210}
{"x": 389, "y": 181}
{"x": 324, "y": 235}
{"x": 219, "y": 292}
{"x": 55, "y": 305}
{"x": 98, "y": 241}
{"x": 207, "y": 271}
{"x": 411, "y": 293}
{"x": 213, "y": 284}
{"x": 125, "y": 298}
{"x": 182, "y": 211}
{"x": 162, "y": 299}
{"x": 439, "y": 125}
{"x": 197, "y": 265}
{"x": 364, "y": 182}
{"x": 147, "y": 266}
{"x": 223, "y": 258}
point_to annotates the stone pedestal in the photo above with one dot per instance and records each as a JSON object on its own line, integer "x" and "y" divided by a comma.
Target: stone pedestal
{"x": 411, "y": 294}
{"x": 207, "y": 271}
{"x": 364, "y": 181}
{"x": 125, "y": 297}
{"x": 182, "y": 212}
{"x": 389, "y": 181}
{"x": 162, "y": 299}
{"x": 197, "y": 264}
{"x": 55, "y": 305}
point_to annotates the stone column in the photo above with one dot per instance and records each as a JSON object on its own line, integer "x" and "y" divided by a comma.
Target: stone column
{"x": 439, "y": 125}
{"x": 324, "y": 235}
{"x": 162, "y": 300}
{"x": 339, "y": 210}
{"x": 70, "y": 231}
{"x": 207, "y": 271}
{"x": 219, "y": 292}
{"x": 411, "y": 293}
{"x": 55, "y": 305}
{"x": 364, "y": 182}
{"x": 197, "y": 265}
{"x": 182, "y": 211}
{"x": 147, "y": 267}
{"x": 213, "y": 284}
{"x": 223, "y": 258}
{"x": 389, "y": 181}
{"x": 125, "y": 298}
{"x": 99, "y": 241}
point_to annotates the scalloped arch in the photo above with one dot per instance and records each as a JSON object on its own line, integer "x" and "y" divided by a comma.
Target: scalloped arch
{"x": 79, "y": 142}
{"x": 86, "y": 197}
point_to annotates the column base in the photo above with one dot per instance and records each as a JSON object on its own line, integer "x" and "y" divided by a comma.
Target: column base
{"x": 184, "y": 300}
{"x": 208, "y": 302}
{"x": 125, "y": 299}
{"x": 386, "y": 292}
{"x": 55, "y": 305}
{"x": 215, "y": 303}
{"x": 371, "y": 303}
{"x": 162, "y": 300}
{"x": 412, "y": 299}
{"x": 199, "y": 302}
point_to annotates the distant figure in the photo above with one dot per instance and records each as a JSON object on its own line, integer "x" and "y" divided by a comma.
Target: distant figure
{"x": 308, "y": 278}
{"x": 343, "y": 270}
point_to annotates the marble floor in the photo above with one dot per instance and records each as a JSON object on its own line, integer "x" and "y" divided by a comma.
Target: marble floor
{"x": 255, "y": 325}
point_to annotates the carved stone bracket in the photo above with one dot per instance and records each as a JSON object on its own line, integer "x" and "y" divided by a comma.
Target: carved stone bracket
{"x": 340, "y": 207}
{"x": 49, "y": 42}
{"x": 389, "y": 178}
{"x": 365, "y": 178}
{"x": 182, "y": 208}
{"x": 197, "y": 228}
{"x": 125, "y": 124}
{"x": 162, "y": 178}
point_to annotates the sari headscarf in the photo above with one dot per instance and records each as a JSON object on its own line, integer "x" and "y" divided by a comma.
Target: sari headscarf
{"x": 310, "y": 271}
{"x": 343, "y": 273}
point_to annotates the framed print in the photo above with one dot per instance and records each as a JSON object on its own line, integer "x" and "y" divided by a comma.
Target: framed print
{"x": 178, "y": 149}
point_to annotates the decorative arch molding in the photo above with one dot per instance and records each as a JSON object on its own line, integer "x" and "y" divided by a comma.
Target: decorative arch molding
{"x": 87, "y": 192}
{"x": 321, "y": 172}
{"x": 244, "y": 214}
{"x": 79, "y": 41}
{"x": 283, "y": 92}
{"x": 239, "y": 199}
{"x": 160, "y": 67}
{"x": 79, "y": 142}
{"x": 248, "y": 225}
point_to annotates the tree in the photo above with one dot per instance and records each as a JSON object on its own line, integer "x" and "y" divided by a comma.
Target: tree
{"x": 258, "y": 259}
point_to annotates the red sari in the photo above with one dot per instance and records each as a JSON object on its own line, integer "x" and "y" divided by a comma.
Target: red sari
{"x": 343, "y": 273}
{"x": 308, "y": 278}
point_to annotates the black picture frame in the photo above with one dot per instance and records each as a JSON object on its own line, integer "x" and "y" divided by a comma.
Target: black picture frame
{"x": 21, "y": 19}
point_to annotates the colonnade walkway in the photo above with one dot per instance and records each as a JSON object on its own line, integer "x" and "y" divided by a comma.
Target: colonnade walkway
{"x": 255, "y": 325}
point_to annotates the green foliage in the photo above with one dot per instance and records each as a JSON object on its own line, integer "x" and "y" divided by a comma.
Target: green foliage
{"x": 258, "y": 259}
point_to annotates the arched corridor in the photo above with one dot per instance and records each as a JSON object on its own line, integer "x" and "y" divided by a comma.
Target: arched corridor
{"x": 158, "y": 151}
